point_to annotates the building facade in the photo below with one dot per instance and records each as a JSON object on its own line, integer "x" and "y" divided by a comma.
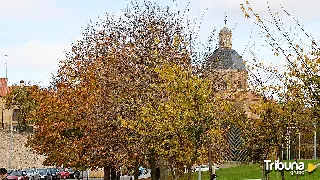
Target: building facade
{"x": 227, "y": 70}
{"x": 7, "y": 113}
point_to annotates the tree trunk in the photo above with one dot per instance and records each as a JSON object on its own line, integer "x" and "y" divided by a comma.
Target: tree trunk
{"x": 163, "y": 169}
{"x": 158, "y": 173}
{"x": 263, "y": 177}
{"x": 107, "y": 172}
{"x": 118, "y": 175}
{"x": 136, "y": 171}
{"x": 189, "y": 172}
{"x": 153, "y": 165}
{"x": 280, "y": 160}
{"x": 209, "y": 155}
{"x": 172, "y": 173}
{"x": 113, "y": 174}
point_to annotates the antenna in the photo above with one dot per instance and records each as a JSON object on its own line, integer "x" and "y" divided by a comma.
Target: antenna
{"x": 225, "y": 18}
{"x": 6, "y": 66}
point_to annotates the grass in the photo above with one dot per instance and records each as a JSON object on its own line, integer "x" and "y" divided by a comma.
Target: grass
{"x": 253, "y": 171}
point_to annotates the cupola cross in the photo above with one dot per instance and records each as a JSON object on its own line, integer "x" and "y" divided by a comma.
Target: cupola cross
{"x": 225, "y": 19}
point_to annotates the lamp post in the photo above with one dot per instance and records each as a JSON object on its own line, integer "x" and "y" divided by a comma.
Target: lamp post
{"x": 315, "y": 142}
{"x": 11, "y": 136}
{"x": 6, "y": 65}
{"x": 199, "y": 172}
{"x": 299, "y": 145}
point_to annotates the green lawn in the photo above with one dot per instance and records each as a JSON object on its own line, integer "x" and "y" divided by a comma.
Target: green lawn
{"x": 254, "y": 172}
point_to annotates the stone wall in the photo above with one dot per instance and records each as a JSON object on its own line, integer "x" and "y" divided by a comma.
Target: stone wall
{"x": 6, "y": 114}
{"x": 22, "y": 157}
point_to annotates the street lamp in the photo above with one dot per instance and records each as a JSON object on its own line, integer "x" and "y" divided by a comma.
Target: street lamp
{"x": 299, "y": 145}
{"x": 6, "y": 65}
{"x": 11, "y": 135}
{"x": 315, "y": 141}
{"x": 199, "y": 172}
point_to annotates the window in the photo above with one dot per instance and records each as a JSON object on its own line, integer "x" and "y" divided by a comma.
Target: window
{"x": 240, "y": 85}
{"x": 15, "y": 115}
{"x": 222, "y": 86}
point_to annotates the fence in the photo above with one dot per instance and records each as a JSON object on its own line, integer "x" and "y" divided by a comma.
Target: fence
{"x": 302, "y": 146}
{"x": 93, "y": 174}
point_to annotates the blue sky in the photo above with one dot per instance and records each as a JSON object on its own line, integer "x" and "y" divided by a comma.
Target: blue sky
{"x": 35, "y": 33}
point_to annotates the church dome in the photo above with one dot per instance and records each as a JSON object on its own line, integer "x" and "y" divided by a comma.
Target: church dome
{"x": 223, "y": 58}
{"x": 225, "y": 30}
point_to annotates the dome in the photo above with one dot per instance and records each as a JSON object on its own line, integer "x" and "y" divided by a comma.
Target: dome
{"x": 225, "y": 59}
{"x": 225, "y": 30}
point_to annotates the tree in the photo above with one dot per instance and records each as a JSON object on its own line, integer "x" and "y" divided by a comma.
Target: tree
{"x": 185, "y": 117}
{"x": 291, "y": 105}
{"x": 20, "y": 98}
{"x": 102, "y": 83}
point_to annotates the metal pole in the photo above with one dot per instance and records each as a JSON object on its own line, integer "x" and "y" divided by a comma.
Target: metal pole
{"x": 88, "y": 171}
{"x": 289, "y": 146}
{"x": 287, "y": 151}
{"x": 11, "y": 137}
{"x": 299, "y": 145}
{"x": 199, "y": 173}
{"x": 315, "y": 142}
{"x": 10, "y": 153}
{"x": 282, "y": 152}
{"x": 6, "y": 66}
{"x": 315, "y": 145}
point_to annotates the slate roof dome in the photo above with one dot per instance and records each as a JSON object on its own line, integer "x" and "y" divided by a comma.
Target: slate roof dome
{"x": 225, "y": 30}
{"x": 225, "y": 59}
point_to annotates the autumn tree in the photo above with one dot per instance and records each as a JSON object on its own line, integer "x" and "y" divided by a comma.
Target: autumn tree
{"x": 103, "y": 83}
{"x": 288, "y": 104}
{"x": 20, "y": 97}
{"x": 186, "y": 119}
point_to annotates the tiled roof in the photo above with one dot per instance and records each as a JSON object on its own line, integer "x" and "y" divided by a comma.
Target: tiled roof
{"x": 3, "y": 86}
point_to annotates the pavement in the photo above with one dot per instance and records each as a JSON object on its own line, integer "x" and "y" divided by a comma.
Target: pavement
{"x": 121, "y": 178}
{"x": 146, "y": 175}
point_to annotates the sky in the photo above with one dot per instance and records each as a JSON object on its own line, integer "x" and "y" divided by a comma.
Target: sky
{"x": 36, "y": 33}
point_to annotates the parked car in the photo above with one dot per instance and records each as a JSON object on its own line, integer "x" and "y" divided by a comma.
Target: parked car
{"x": 9, "y": 171}
{"x": 77, "y": 174}
{"x": 71, "y": 173}
{"x": 54, "y": 172}
{"x": 64, "y": 173}
{"x": 18, "y": 175}
{"x": 32, "y": 174}
{"x": 44, "y": 174}
{"x": 203, "y": 168}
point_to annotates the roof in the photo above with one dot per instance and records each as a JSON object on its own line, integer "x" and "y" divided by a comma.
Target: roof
{"x": 223, "y": 58}
{"x": 225, "y": 29}
{"x": 3, "y": 86}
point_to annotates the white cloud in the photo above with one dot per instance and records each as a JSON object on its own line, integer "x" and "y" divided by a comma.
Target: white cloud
{"x": 29, "y": 9}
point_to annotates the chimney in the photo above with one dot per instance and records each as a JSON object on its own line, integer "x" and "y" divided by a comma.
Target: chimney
{"x": 21, "y": 83}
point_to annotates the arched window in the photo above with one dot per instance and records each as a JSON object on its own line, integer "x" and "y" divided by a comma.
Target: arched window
{"x": 222, "y": 86}
{"x": 240, "y": 84}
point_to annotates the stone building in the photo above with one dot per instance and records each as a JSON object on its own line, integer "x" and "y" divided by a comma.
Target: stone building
{"x": 22, "y": 157}
{"x": 7, "y": 113}
{"x": 226, "y": 68}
